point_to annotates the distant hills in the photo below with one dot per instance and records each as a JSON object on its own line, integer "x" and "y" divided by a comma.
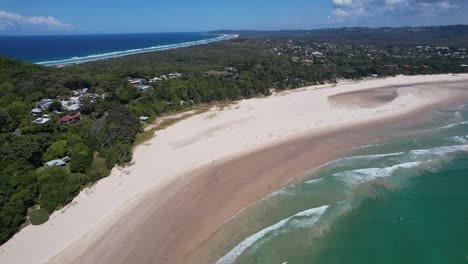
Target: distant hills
{"x": 454, "y": 35}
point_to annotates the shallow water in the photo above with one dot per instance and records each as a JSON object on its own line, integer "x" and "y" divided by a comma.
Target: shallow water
{"x": 403, "y": 200}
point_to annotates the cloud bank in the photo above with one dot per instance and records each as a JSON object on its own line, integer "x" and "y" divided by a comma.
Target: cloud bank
{"x": 398, "y": 11}
{"x": 15, "y": 22}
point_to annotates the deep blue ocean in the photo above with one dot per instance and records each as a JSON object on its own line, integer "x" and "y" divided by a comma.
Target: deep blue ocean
{"x": 62, "y": 49}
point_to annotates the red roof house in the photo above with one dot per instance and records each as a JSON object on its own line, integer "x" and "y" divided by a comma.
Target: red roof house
{"x": 70, "y": 118}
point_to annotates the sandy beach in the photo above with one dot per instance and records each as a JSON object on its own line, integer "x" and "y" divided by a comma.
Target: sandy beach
{"x": 192, "y": 177}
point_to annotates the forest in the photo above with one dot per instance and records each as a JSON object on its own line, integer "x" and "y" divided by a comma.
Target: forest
{"x": 109, "y": 109}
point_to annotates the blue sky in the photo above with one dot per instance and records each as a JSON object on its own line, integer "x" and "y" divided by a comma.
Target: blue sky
{"x": 122, "y": 16}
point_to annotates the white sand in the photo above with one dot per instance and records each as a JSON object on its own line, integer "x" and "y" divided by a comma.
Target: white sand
{"x": 200, "y": 140}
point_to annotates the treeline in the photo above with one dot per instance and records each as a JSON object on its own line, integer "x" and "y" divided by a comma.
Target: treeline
{"x": 452, "y": 35}
{"x": 106, "y": 133}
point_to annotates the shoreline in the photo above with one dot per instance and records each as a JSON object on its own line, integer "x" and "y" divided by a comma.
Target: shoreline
{"x": 117, "y": 54}
{"x": 181, "y": 148}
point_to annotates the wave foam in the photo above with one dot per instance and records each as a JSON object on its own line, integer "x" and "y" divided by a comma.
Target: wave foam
{"x": 311, "y": 215}
{"x": 314, "y": 181}
{"x": 438, "y": 151}
{"x": 458, "y": 139}
{"x": 354, "y": 177}
{"x": 452, "y": 125}
{"x": 114, "y": 54}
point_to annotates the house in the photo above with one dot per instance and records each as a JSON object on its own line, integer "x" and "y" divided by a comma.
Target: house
{"x": 44, "y": 104}
{"x": 143, "y": 86}
{"x": 73, "y": 107}
{"x": 135, "y": 81}
{"x": 143, "y": 118}
{"x": 174, "y": 75}
{"x": 36, "y": 111}
{"x": 155, "y": 79}
{"x": 41, "y": 120}
{"x": 75, "y": 99}
{"x": 317, "y": 54}
{"x": 69, "y": 119}
{"x": 58, "y": 162}
{"x": 81, "y": 92}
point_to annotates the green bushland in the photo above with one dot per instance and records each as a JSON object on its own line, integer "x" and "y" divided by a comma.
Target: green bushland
{"x": 38, "y": 216}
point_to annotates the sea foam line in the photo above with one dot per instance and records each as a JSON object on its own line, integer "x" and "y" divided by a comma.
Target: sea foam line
{"x": 457, "y": 139}
{"x": 359, "y": 176}
{"x": 313, "y": 214}
{"x": 438, "y": 151}
{"x": 114, "y": 54}
{"x": 314, "y": 181}
{"x": 370, "y": 157}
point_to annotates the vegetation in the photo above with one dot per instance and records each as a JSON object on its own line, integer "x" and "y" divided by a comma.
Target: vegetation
{"x": 453, "y": 35}
{"x": 188, "y": 77}
{"x": 38, "y": 216}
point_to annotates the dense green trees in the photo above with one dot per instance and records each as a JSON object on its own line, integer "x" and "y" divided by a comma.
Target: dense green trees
{"x": 57, "y": 150}
{"x": 81, "y": 158}
{"x": 57, "y": 187}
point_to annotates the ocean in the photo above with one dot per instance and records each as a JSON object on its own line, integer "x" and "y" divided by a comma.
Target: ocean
{"x": 401, "y": 200}
{"x": 64, "y": 49}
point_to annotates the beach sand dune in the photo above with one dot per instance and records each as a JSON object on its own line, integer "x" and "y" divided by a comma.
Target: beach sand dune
{"x": 196, "y": 174}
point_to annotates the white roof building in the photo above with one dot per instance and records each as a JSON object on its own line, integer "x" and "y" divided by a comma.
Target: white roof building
{"x": 36, "y": 111}
{"x": 73, "y": 107}
{"x": 41, "y": 120}
{"x": 56, "y": 162}
{"x": 75, "y": 98}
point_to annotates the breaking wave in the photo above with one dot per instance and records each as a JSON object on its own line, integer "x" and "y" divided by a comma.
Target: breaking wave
{"x": 133, "y": 51}
{"x": 303, "y": 219}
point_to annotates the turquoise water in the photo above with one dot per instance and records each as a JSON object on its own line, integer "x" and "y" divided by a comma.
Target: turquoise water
{"x": 404, "y": 200}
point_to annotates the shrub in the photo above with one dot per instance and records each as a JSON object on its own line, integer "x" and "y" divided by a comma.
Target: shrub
{"x": 38, "y": 217}
{"x": 56, "y": 150}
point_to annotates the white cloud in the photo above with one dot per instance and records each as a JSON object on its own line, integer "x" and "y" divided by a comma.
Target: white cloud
{"x": 339, "y": 12}
{"x": 394, "y": 2}
{"x": 343, "y": 2}
{"x": 377, "y": 10}
{"x": 10, "y": 20}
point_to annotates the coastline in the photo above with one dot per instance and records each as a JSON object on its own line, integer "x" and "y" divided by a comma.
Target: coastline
{"x": 257, "y": 125}
{"x": 117, "y": 54}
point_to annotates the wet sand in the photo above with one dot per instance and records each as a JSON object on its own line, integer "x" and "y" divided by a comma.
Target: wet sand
{"x": 368, "y": 99}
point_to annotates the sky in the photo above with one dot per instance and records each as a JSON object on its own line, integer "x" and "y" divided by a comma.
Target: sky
{"x": 136, "y": 16}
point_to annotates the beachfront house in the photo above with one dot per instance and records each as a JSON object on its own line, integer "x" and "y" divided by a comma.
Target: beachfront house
{"x": 41, "y": 120}
{"x": 69, "y": 119}
{"x": 73, "y": 107}
{"x": 58, "y": 162}
{"x": 44, "y": 104}
{"x": 36, "y": 111}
